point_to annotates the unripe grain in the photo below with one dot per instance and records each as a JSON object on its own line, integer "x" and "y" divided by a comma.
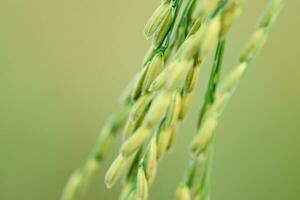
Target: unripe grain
{"x": 155, "y": 68}
{"x": 142, "y": 185}
{"x": 183, "y": 193}
{"x": 157, "y": 19}
{"x": 151, "y": 161}
{"x": 204, "y": 135}
{"x": 158, "y": 109}
{"x": 133, "y": 143}
{"x": 115, "y": 171}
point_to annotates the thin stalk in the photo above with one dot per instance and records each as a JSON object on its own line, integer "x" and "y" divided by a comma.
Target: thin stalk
{"x": 81, "y": 177}
{"x": 213, "y": 81}
{"x": 209, "y": 98}
{"x": 204, "y": 137}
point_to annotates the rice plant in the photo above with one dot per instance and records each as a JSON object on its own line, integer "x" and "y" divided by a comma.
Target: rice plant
{"x": 183, "y": 34}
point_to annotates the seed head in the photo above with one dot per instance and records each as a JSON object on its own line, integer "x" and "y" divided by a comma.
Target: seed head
{"x": 200, "y": 165}
{"x": 151, "y": 161}
{"x": 186, "y": 101}
{"x": 178, "y": 74}
{"x": 163, "y": 141}
{"x": 173, "y": 110}
{"x": 203, "y": 8}
{"x": 132, "y": 196}
{"x": 201, "y": 41}
{"x": 157, "y": 19}
{"x": 255, "y": 44}
{"x": 204, "y": 135}
{"x": 158, "y": 109}
{"x": 271, "y": 14}
{"x": 172, "y": 137}
{"x": 72, "y": 186}
{"x": 90, "y": 167}
{"x": 172, "y": 76}
{"x": 126, "y": 191}
{"x": 216, "y": 109}
{"x": 133, "y": 143}
{"x": 164, "y": 28}
{"x": 231, "y": 12}
{"x": 115, "y": 171}
{"x": 138, "y": 86}
{"x": 155, "y": 68}
{"x": 232, "y": 79}
{"x": 137, "y": 112}
{"x": 162, "y": 78}
{"x": 183, "y": 193}
{"x": 211, "y": 35}
{"x": 191, "y": 80}
{"x": 142, "y": 185}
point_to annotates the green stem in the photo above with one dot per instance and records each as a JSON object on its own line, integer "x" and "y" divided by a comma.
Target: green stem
{"x": 213, "y": 81}
{"x": 206, "y": 179}
{"x": 85, "y": 173}
{"x": 209, "y": 98}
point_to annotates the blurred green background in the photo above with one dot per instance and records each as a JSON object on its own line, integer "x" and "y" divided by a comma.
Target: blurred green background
{"x": 64, "y": 63}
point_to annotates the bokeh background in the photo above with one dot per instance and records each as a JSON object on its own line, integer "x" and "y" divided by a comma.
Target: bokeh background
{"x": 64, "y": 63}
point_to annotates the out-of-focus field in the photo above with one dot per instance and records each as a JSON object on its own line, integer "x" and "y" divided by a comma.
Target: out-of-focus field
{"x": 64, "y": 63}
